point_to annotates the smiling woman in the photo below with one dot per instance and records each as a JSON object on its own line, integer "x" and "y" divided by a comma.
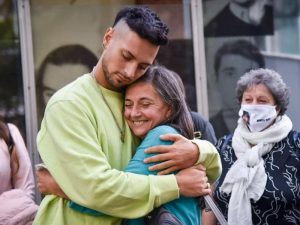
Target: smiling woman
{"x": 158, "y": 98}
{"x": 144, "y": 108}
{"x": 155, "y": 105}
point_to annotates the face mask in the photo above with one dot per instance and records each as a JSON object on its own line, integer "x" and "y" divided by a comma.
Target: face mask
{"x": 258, "y": 117}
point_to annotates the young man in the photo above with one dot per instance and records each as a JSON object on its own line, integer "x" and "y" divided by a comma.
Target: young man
{"x": 85, "y": 142}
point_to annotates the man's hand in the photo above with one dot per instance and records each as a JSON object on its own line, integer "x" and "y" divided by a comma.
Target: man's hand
{"x": 47, "y": 185}
{"x": 193, "y": 182}
{"x": 180, "y": 155}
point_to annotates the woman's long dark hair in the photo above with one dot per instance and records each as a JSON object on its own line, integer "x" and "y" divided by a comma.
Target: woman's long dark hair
{"x": 169, "y": 86}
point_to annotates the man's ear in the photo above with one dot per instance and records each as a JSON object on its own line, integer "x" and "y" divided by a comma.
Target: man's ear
{"x": 107, "y": 36}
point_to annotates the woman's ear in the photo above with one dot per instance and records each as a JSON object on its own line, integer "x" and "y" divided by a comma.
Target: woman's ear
{"x": 169, "y": 113}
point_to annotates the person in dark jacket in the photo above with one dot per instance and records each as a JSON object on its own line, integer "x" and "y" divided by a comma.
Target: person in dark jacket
{"x": 203, "y": 127}
{"x": 260, "y": 181}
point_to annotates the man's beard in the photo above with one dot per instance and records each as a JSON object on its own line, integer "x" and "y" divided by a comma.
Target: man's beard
{"x": 108, "y": 78}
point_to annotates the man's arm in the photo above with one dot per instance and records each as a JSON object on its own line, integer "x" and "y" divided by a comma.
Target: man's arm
{"x": 137, "y": 164}
{"x": 185, "y": 153}
{"x": 210, "y": 159}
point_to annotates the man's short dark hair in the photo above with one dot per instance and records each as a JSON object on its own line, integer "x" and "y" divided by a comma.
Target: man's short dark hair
{"x": 243, "y": 48}
{"x": 145, "y": 23}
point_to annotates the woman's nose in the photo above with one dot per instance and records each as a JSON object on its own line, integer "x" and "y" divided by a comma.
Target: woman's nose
{"x": 135, "y": 112}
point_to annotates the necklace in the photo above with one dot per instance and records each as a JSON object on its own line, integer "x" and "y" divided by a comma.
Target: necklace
{"x": 122, "y": 127}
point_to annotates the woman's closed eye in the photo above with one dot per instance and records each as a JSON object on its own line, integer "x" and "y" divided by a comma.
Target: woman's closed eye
{"x": 247, "y": 100}
{"x": 145, "y": 104}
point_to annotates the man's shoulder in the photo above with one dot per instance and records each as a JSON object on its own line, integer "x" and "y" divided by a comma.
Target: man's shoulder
{"x": 76, "y": 98}
{"x": 73, "y": 90}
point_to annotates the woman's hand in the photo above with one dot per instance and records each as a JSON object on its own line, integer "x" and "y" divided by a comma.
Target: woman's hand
{"x": 47, "y": 185}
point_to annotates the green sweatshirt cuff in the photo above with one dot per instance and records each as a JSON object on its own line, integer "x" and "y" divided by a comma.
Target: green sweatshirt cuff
{"x": 209, "y": 158}
{"x": 205, "y": 149}
{"x": 166, "y": 188}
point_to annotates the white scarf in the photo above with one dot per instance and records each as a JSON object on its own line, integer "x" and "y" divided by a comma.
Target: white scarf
{"x": 246, "y": 179}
